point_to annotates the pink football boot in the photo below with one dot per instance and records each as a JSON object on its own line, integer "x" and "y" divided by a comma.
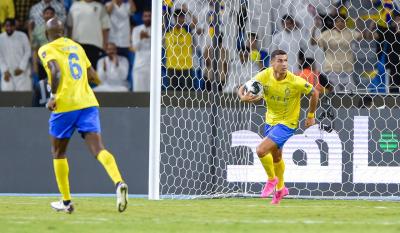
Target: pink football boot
{"x": 269, "y": 187}
{"x": 278, "y": 196}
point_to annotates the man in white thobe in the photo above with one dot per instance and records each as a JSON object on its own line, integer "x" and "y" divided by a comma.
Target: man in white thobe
{"x": 15, "y": 52}
{"x": 290, "y": 40}
{"x": 141, "y": 45}
{"x": 112, "y": 70}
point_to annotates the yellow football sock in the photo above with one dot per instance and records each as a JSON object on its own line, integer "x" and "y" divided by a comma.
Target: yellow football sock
{"x": 108, "y": 162}
{"x": 61, "y": 170}
{"x": 279, "y": 171}
{"x": 268, "y": 163}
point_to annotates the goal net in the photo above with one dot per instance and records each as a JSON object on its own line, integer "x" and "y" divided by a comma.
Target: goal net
{"x": 349, "y": 50}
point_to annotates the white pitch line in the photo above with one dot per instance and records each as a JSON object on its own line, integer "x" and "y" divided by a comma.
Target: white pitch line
{"x": 297, "y": 222}
{"x": 338, "y": 207}
{"x": 32, "y": 218}
{"x": 381, "y": 207}
{"x": 22, "y": 222}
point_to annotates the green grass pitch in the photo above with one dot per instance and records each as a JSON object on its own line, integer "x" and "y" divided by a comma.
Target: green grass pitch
{"x": 97, "y": 215}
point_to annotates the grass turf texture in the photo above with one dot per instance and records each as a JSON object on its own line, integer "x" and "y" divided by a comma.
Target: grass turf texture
{"x": 33, "y": 214}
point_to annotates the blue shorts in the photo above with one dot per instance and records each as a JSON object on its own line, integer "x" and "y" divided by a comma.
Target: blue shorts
{"x": 278, "y": 133}
{"x": 62, "y": 125}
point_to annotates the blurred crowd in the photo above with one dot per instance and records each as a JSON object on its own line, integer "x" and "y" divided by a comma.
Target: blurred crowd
{"x": 338, "y": 45}
{"x": 343, "y": 46}
{"x": 114, "y": 33}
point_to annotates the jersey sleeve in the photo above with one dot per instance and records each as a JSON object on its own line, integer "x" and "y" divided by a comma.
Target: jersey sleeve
{"x": 45, "y": 55}
{"x": 261, "y": 77}
{"x": 303, "y": 86}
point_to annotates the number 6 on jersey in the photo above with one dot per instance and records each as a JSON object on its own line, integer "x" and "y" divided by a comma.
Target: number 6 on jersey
{"x": 74, "y": 67}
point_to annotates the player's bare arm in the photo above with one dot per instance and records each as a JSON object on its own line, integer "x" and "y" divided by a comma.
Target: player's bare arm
{"x": 247, "y": 97}
{"x": 55, "y": 77}
{"x": 310, "y": 120}
{"x": 93, "y": 77}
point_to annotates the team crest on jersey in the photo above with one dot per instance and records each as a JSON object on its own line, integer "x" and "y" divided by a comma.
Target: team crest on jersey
{"x": 44, "y": 55}
{"x": 266, "y": 90}
{"x": 287, "y": 92}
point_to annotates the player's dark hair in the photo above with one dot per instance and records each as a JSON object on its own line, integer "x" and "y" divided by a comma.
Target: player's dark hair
{"x": 277, "y": 52}
{"x": 49, "y": 8}
{"x": 11, "y": 21}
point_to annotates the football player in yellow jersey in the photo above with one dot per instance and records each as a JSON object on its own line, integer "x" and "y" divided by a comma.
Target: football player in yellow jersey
{"x": 74, "y": 106}
{"x": 282, "y": 93}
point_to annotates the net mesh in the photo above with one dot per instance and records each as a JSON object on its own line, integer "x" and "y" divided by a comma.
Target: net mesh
{"x": 349, "y": 51}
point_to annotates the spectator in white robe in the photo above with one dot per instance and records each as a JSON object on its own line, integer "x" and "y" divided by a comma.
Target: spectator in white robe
{"x": 112, "y": 70}
{"x": 120, "y": 12}
{"x": 15, "y": 52}
{"x": 141, "y": 45}
{"x": 290, "y": 39}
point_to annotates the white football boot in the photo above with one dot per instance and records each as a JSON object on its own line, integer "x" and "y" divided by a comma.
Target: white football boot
{"x": 59, "y": 206}
{"x": 122, "y": 197}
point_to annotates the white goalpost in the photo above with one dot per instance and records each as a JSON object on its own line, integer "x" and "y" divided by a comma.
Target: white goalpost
{"x": 203, "y": 140}
{"x": 155, "y": 101}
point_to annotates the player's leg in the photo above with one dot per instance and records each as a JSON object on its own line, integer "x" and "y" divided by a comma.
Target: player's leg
{"x": 281, "y": 190}
{"x": 279, "y": 168}
{"x": 280, "y": 134}
{"x": 89, "y": 126}
{"x": 96, "y": 147}
{"x": 61, "y": 171}
{"x": 264, "y": 154}
{"x": 61, "y": 128}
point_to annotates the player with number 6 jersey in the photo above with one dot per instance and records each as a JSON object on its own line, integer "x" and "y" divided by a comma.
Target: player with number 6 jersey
{"x": 74, "y": 91}
{"x": 74, "y": 107}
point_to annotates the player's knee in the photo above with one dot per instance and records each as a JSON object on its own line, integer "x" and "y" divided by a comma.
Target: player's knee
{"x": 261, "y": 152}
{"x": 96, "y": 152}
{"x": 58, "y": 153}
{"x": 277, "y": 159}
{"x": 96, "y": 149}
